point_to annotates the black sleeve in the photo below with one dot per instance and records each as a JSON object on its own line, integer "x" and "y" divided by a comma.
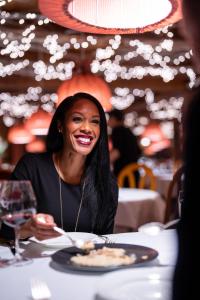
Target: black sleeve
{"x": 23, "y": 169}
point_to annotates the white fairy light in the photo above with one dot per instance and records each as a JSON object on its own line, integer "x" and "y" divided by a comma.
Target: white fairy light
{"x": 122, "y": 102}
{"x": 24, "y": 105}
{"x": 63, "y": 71}
{"x": 138, "y": 130}
{"x": 143, "y": 121}
{"x": 155, "y": 61}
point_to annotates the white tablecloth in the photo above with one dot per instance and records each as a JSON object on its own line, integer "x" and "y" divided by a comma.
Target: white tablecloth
{"x": 139, "y": 206}
{"x": 15, "y": 281}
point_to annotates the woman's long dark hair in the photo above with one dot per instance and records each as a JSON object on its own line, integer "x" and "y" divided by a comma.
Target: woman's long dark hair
{"x": 100, "y": 188}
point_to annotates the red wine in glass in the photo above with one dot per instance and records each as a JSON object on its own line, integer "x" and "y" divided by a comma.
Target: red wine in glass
{"x": 17, "y": 219}
{"x": 17, "y": 206}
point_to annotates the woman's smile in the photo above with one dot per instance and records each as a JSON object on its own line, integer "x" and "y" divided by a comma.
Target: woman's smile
{"x": 84, "y": 140}
{"x": 81, "y": 130}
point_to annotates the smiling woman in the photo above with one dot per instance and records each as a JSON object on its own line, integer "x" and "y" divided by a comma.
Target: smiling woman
{"x": 72, "y": 181}
{"x": 81, "y": 128}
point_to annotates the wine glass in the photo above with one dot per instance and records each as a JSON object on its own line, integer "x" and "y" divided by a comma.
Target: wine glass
{"x": 17, "y": 205}
{"x": 180, "y": 201}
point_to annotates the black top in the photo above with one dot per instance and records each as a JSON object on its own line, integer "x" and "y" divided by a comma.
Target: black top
{"x": 126, "y": 143}
{"x": 40, "y": 170}
{"x": 94, "y": 216}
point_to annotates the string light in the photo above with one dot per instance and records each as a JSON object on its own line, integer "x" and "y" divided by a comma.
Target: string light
{"x": 4, "y": 2}
{"x": 24, "y": 105}
{"x": 159, "y": 109}
{"x": 154, "y": 60}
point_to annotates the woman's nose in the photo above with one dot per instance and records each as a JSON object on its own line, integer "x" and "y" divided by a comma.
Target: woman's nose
{"x": 86, "y": 127}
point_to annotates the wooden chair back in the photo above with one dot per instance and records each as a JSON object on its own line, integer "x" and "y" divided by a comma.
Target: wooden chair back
{"x": 174, "y": 188}
{"x": 146, "y": 176}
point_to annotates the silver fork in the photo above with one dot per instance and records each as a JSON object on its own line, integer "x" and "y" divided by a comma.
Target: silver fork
{"x": 106, "y": 239}
{"x": 39, "y": 290}
{"x": 79, "y": 243}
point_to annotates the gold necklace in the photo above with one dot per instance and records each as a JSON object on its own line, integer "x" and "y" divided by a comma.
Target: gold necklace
{"x": 61, "y": 200}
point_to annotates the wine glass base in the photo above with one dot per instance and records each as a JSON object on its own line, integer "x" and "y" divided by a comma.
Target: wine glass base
{"x": 15, "y": 262}
{"x": 22, "y": 261}
{"x": 5, "y": 262}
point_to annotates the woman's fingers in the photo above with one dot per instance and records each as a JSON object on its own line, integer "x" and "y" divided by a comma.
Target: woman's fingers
{"x": 42, "y": 227}
{"x": 43, "y": 234}
{"x": 43, "y": 221}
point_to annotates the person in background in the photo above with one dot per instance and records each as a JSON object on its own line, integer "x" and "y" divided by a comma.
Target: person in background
{"x": 185, "y": 285}
{"x": 125, "y": 147}
{"x": 74, "y": 187}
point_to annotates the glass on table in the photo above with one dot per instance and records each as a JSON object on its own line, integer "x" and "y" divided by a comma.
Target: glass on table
{"x": 17, "y": 205}
{"x": 180, "y": 201}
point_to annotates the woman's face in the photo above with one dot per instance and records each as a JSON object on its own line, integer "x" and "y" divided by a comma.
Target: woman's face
{"x": 81, "y": 128}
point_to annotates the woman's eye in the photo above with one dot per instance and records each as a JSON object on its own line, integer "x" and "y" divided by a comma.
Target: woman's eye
{"x": 96, "y": 121}
{"x": 77, "y": 119}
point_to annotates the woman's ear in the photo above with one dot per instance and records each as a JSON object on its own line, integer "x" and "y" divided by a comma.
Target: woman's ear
{"x": 59, "y": 126}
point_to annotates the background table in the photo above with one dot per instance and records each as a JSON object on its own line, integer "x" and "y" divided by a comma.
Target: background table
{"x": 137, "y": 207}
{"x": 162, "y": 183}
{"x": 15, "y": 281}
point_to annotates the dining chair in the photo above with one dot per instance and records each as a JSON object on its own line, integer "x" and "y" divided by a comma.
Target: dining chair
{"x": 146, "y": 177}
{"x": 175, "y": 189}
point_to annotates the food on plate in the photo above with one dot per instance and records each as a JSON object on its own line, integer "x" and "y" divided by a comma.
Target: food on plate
{"x": 87, "y": 245}
{"x": 104, "y": 257}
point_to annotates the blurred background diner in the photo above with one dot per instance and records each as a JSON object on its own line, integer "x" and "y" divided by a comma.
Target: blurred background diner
{"x": 145, "y": 72}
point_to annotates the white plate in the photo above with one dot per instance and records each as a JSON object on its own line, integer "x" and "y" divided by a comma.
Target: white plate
{"x": 62, "y": 241}
{"x": 137, "y": 284}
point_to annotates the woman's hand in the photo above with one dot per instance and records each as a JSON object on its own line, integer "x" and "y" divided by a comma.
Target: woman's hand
{"x": 39, "y": 226}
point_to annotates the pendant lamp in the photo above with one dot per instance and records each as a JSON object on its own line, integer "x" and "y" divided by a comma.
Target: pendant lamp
{"x": 18, "y": 134}
{"x": 112, "y": 16}
{"x": 37, "y": 145}
{"x": 153, "y": 139}
{"x": 86, "y": 83}
{"x": 38, "y": 123}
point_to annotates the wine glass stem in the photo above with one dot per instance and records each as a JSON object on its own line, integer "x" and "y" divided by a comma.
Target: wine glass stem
{"x": 17, "y": 237}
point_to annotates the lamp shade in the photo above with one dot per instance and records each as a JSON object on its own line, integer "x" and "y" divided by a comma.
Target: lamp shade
{"x": 38, "y": 123}
{"x": 86, "y": 83}
{"x": 112, "y": 16}
{"x": 37, "y": 145}
{"x": 18, "y": 134}
{"x": 154, "y": 140}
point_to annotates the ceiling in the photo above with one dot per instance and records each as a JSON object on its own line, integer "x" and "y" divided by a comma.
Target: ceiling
{"x": 21, "y": 80}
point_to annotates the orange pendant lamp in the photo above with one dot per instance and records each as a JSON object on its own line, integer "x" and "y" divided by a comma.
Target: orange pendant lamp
{"x": 154, "y": 139}
{"x": 38, "y": 123}
{"x": 37, "y": 145}
{"x": 112, "y": 16}
{"x": 86, "y": 83}
{"x": 18, "y": 134}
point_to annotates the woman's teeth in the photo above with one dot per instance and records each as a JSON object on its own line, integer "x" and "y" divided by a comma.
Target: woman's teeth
{"x": 85, "y": 141}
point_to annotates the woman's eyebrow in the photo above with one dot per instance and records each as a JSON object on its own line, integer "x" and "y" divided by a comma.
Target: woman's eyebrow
{"x": 80, "y": 113}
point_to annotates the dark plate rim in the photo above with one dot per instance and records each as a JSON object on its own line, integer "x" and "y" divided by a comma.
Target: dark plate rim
{"x": 148, "y": 254}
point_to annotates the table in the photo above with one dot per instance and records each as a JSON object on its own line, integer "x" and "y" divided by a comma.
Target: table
{"x": 162, "y": 183}
{"x": 137, "y": 207}
{"x": 15, "y": 281}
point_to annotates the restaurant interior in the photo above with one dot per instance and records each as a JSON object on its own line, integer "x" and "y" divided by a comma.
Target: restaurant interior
{"x": 148, "y": 75}
{"x": 139, "y": 63}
